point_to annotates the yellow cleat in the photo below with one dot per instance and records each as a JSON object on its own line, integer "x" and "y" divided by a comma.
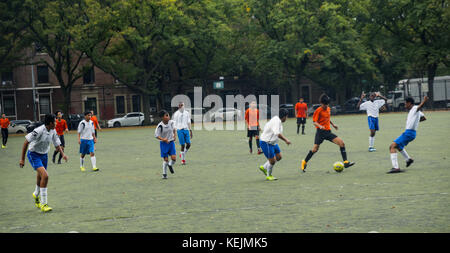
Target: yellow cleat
{"x": 37, "y": 201}
{"x": 45, "y": 208}
{"x": 3, "y": 146}
{"x": 263, "y": 170}
{"x": 303, "y": 166}
{"x": 82, "y": 169}
{"x": 271, "y": 178}
{"x": 95, "y": 169}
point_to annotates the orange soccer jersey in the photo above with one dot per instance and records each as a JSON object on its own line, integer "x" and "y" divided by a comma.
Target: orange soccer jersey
{"x": 252, "y": 117}
{"x": 95, "y": 121}
{"x": 4, "y": 123}
{"x": 322, "y": 117}
{"x": 301, "y": 110}
{"x": 61, "y": 125}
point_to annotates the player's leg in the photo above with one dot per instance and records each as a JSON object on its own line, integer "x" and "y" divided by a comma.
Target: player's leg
{"x": 298, "y": 125}
{"x": 43, "y": 189}
{"x": 318, "y": 139}
{"x": 258, "y": 143}
{"x": 303, "y": 125}
{"x": 250, "y": 140}
{"x": 36, "y": 163}
{"x": 338, "y": 141}
{"x": 63, "y": 144}
{"x": 165, "y": 166}
{"x": 173, "y": 155}
{"x": 394, "y": 159}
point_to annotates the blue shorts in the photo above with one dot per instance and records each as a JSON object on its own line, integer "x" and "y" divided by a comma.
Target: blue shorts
{"x": 37, "y": 160}
{"x": 269, "y": 150}
{"x": 184, "y": 136}
{"x": 373, "y": 123}
{"x": 406, "y": 137}
{"x": 167, "y": 149}
{"x": 86, "y": 146}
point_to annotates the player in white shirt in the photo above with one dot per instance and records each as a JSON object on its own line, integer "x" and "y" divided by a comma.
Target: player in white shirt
{"x": 38, "y": 144}
{"x": 372, "y": 107}
{"x": 182, "y": 119}
{"x": 412, "y": 123}
{"x": 165, "y": 132}
{"x": 273, "y": 130}
{"x": 87, "y": 139}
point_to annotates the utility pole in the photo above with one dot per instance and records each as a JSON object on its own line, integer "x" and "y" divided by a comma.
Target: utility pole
{"x": 34, "y": 92}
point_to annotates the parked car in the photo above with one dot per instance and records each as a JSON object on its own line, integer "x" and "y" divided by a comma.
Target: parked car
{"x": 15, "y": 128}
{"x": 74, "y": 120}
{"x": 227, "y": 113}
{"x": 130, "y": 119}
{"x": 290, "y": 108}
{"x": 333, "y": 109}
{"x": 350, "y": 105}
{"x": 33, "y": 125}
{"x": 24, "y": 123}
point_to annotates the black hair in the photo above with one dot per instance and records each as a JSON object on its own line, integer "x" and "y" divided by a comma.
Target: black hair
{"x": 87, "y": 112}
{"x": 56, "y": 113}
{"x": 324, "y": 99}
{"x": 283, "y": 113}
{"x": 49, "y": 118}
{"x": 409, "y": 99}
{"x": 162, "y": 113}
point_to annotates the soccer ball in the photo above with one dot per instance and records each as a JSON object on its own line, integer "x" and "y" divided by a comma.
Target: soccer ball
{"x": 338, "y": 166}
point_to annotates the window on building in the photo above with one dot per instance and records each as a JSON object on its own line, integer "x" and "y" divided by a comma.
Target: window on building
{"x": 136, "y": 101}
{"x": 9, "y": 105}
{"x": 89, "y": 76}
{"x": 42, "y": 72}
{"x": 90, "y": 104}
{"x": 120, "y": 104}
{"x": 44, "y": 104}
{"x": 7, "y": 77}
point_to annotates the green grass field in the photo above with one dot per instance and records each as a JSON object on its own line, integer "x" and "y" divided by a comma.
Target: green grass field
{"x": 222, "y": 190}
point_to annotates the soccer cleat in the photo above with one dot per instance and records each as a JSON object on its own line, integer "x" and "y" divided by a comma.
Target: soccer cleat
{"x": 263, "y": 170}
{"x": 372, "y": 149}
{"x": 271, "y": 178}
{"x": 409, "y": 162}
{"x": 251, "y": 151}
{"x": 393, "y": 170}
{"x": 183, "y": 162}
{"x": 45, "y": 208}
{"x": 348, "y": 164}
{"x": 37, "y": 201}
{"x": 82, "y": 168}
{"x": 164, "y": 176}
{"x": 303, "y": 168}
{"x": 259, "y": 151}
{"x": 3, "y": 146}
{"x": 95, "y": 169}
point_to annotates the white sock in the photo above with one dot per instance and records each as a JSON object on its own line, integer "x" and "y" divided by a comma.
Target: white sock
{"x": 81, "y": 162}
{"x": 171, "y": 162}
{"x": 165, "y": 167}
{"x": 183, "y": 155}
{"x": 394, "y": 160}
{"x": 94, "y": 162}
{"x": 269, "y": 168}
{"x": 44, "y": 196}
{"x": 404, "y": 154}
{"x": 371, "y": 141}
{"x": 37, "y": 190}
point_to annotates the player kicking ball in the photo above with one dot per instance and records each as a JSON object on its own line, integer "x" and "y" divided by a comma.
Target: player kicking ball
{"x": 38, "y": 144}
{"x": 372, "y": 107}
{"x": 165, "y": 132}
{"x": 321, "y": 120}
{"x": 182, "y": 119}
{"x": 269, "y": 143}
{"x": 87, "y": 139}
{"x": 412, "y": 123}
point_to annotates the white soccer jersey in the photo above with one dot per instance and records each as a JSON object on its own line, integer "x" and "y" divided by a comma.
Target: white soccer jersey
{"x": 412, "y": 122}
{"x": 271, "y": 130}
{"x": 86, "y": 129}
{"x": 182, "y": 119}
{"x": 41, "y": 138}
{"x": 372, "y": 108}
{"x": 165, "y": 130}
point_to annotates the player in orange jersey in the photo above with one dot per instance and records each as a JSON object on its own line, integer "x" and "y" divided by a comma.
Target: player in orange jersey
{"x": 301, "y": 112}
{"x": 252, "y": 121}
{"x": 61, "y": 127}
{"x": 4, "y": 123}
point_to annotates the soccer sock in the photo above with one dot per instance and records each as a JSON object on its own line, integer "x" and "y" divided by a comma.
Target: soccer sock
{"x": 165, "y": 167}
{"x": 94, "y": 162}
{"x": 171, "y": 162}
{"x": 298, "y": 128}
{"x": 37, "y": 190}
{"x": 54, "y": 154}
{"x": 394, "y": 160}
{"x": 371, "y": 141}
{"x": 303, "y": 128}
{"x": 44, "y": 196}
{"x": 183, "y": 154}
{"x": 257, "y": 143}
{"x": 60, "y": 156}
{"x": 250, "y": 143}
{"x": 405, "y": 154}
{"x": 269, "y": 168}
{"x": 310, "y": 154}
{"x": 344, "y": 154}
{"x": 81, "y": 162}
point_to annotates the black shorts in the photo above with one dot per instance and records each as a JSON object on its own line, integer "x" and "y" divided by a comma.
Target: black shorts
{"x": 301, "y": 120}
{"x": 322, "y": 135}
{"x": 251, "y": 133}
{"x": 61, "y": 138}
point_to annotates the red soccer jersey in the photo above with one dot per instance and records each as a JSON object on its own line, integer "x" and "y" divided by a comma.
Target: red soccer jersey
{"x": 4, "y": 122}
{"x": 61, "y": 125}
{"x": 252, "y": 117}
{"x": 322, "y": 117}
{"x": 301, "y": 108}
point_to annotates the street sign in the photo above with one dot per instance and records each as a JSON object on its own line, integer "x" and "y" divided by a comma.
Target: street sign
{"x": 218, "y": 85}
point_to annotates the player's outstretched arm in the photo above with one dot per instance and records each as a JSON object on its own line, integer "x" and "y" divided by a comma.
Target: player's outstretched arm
{"x": 281, "y": 136}
{"x": 24, "y": 149}
{"x": 61, "y": 150}
{"x": 360, "y": 99}
{"x": 335, "y": 126}
{"x": 425, "y": 99}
